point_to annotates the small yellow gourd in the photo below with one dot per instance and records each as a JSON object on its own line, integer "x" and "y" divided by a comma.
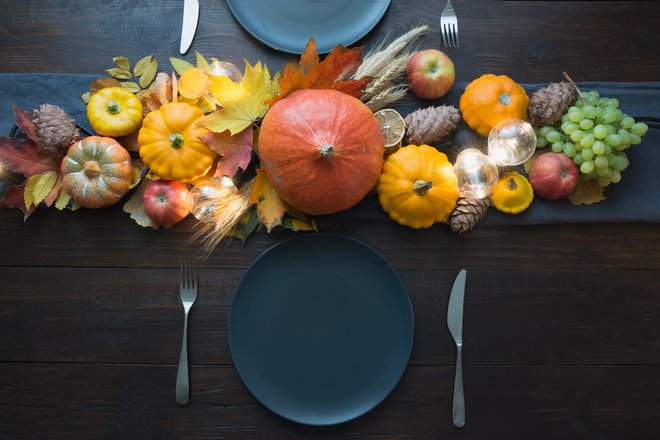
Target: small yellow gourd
{"x": 418, "y": 186}
{"x": 512, "y": 194}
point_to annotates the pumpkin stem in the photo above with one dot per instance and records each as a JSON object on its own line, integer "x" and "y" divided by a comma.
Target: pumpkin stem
{"x": 327, "y": 151}
{"x": 511, "y": 184}
{"x": 176, "y": 141}
{"x": 91, "y": 169}
{"x": 113, "y": 107}
{"x": 568, "y": 78}
{"x": 505, "y": 99}
{"x": 421, "y": 187}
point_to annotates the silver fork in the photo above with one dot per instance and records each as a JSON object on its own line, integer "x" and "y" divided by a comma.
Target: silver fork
{"x": 188, "y": 292}
{"x": 449, "y": 26}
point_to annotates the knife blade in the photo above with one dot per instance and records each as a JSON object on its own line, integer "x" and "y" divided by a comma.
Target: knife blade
{"x": 189, "y": 26}
{"x": 455, "y": 325}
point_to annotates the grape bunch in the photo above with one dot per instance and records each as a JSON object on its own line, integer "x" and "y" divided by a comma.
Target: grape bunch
{"x": 595, "y": 135}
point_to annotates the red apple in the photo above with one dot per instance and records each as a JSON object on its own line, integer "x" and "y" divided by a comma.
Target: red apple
{"x": 167, "y": 202}
{"x": 553, "y": 175}
{"x": 430, "y": 73}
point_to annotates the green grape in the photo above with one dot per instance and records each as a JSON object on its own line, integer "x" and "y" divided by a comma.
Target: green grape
{"x": 557, "y": 146}
{"x": 602, "y": 102}
{"x": 603, "y": 172}
{"x": 639, "y": 128}
{"x": 613, "y": 139}
{"x": 608, "y": 117}
{"x": 587, "y": 166}
{"x": 578, "y": 159}
{"x": 594, "y": 93}
{"x": 614, "y": 103}
{"x": 599, "y": 147}
{"x": 635, "y": 139}
{"x": 600, "y": 131}
{"x": 565, "y": 118}
{"x": 589, "y": 111}
{"x": 618, "y": 163}
{"x": 611, "y": 129}
{"x": 626, "y": 162}
{"x": 616, "y": 176}
{"x": 587, "y": 140}
{"x": 569, "y": 149}
{"x": 604, "y": 181}
{"x": 608, "y": 149}
{"x": 619, "y": 147}
{"x": 541, "y": 142}
{"x": 587, "y": 153}
{"x": 577, "y": 135}
{"x": 599, "y": 113}
{"x": 569, "y": 127}
{"x": 627, "y": 122}
{"x": 601, "y": 162}
{"x": 592, "y": 100}
{"x": 619, "y": 114}
{"x": 586, "y": 124}
{"x": 625, "y": 136}
{"x": 575, "y": 115}
{"x": 543, "y": 131}
{"x": 553, "y": 136}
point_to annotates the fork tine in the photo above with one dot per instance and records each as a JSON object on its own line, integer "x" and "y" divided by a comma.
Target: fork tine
{"x": 444, "y": 36}
{"x": 456, "y": 33}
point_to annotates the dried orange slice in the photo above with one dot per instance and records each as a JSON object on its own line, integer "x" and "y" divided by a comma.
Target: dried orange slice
{"x": 393, "y": 128}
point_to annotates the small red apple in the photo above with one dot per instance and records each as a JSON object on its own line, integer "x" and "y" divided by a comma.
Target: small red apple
{"x": 167, "y": 202}
{"x": 553, "y": 175}
{"x": 430, "y": 73}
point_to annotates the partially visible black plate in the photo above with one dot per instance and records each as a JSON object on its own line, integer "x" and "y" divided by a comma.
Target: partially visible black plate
{"x": 320, "y": 328}
{"x": 287, "y": 25}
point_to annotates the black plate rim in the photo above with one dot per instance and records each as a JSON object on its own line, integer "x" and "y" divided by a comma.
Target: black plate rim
{"x": 408, "y": 302}
{"x": 272, "y": 46}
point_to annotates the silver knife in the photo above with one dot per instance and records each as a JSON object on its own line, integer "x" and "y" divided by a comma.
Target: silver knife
{"x": 190, "y": 18}
{"x": 455, "y": 324}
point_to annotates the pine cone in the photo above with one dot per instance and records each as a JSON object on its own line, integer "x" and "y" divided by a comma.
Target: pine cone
{"x": 468, "y": 212}
{"x": 548, "y": 105}
{"x": 432, "y": 124}
{"x": 55, "y": 129}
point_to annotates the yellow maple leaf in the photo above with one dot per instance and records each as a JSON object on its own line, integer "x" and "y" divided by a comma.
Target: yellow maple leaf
{"x": 242, "y": 103}
{"x": 270, "y": 206}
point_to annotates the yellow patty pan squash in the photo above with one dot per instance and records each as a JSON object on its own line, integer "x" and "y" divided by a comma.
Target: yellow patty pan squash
{"x": 418, "y": 187}
{"x": 512, "y": 194}
{"x": 114, "y": 111}
{"x": 170, "y": 142}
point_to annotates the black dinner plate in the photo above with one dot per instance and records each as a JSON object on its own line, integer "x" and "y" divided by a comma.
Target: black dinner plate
{"x": 320, "y": 328}
{"x": 287, "y": 25}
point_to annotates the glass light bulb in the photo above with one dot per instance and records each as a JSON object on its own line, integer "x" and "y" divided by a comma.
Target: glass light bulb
{"x": 511, "y": 142}
{"x": 477, "y": 174}
{"x": 206, "y": 194}
{"x": 225, "y": 68}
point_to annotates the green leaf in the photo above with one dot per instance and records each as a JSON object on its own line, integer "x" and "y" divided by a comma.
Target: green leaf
{"x": 130, "y": 86}
{"x": 75, "y": 206}
{"x": 142, "y": 65}
{"x": 63, "y": 199}
{"x": 85, "y": 97}
{"x": 135, "y": 207}
{"x": 202, "y": 63}
{"x": 152, "y": 86}
{"x": 122, "y": 63}
{"x": 298, "y": 224}
{"x": 247, "y": 225}
{"x": 38, "y": 187}
{"x": 120, "y": 73}
{"x": 586, "y": 192}
{"x": 149, "y": 73}
{"x": 180, "y": 65}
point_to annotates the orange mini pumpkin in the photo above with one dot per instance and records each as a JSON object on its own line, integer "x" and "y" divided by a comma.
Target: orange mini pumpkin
{"x": 322, "y": 150}
{"x": 491, "y": 99}
{"x": 97, "y": 172}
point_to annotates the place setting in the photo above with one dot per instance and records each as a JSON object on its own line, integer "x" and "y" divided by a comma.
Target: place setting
{"x": 321, "y": 327}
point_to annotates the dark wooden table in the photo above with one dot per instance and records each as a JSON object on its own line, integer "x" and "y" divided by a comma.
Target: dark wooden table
{"x": 562, "y": 322}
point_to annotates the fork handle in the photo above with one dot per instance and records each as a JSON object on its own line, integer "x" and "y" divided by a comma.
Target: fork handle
{"x": 182, "y": 386}
{"x": 458, "y": 409}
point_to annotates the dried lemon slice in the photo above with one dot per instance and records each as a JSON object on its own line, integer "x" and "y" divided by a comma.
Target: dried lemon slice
{"x": 393, "y": 128}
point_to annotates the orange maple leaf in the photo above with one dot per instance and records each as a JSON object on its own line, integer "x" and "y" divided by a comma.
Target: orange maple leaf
{"x": 310, "y": 73}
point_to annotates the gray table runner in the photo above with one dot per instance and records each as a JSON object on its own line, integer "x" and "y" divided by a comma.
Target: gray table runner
{"x": 635, "y": 198}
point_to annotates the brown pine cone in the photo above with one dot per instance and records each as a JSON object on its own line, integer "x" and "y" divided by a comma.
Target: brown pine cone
{"x": 432, "y": 124}
{"x": 548, "y": 105}
{"x": 468, "y": 213}
{"x": 55, "y": 129}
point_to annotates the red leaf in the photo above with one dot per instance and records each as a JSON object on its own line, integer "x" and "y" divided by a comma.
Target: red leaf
{"x": 25, "y": 157}
{"x": 52, "y": 196}
{"x": 23, "y": 120}
{"x": 236, "y": 151}
{"x": 309, "y": 73}
{"x": 14, "y": 198}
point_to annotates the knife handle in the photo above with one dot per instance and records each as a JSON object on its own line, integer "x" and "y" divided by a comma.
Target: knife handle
{"x": 458, "y": 410}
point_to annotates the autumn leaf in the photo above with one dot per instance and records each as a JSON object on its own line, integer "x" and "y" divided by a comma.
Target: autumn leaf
{"x": 179, "y": 65}
{"x": 296, "y": 224}
{"x": 163, "y": 87}
{"x": 142, "y": 65}
{"x": 270, "y": 206}
{"x": 120, "y": 73}
{"x": 63, "y": 199}
{"x": 175, "y": 88}
{"x": 103, "y": 83}
{"x": 130, "y": 86}
{"x": 242, "y": 103}
{"x": 129, "y": 142}
{"x": 122, "y": 63}
{"x": 24, "y": 122}
{"x": 309, "y": 73}
{"x": 135, "y": 207}
{"x": 201, "y": 62}
{"x": 149, "y": 73}
{"x": 52, "y": 196}
{"x": 14, "y": 198}
{"x": 38, "y": 187}
{"x": 587, "y": 192}
{"x": 25, "y": 157}
{"x": 247, "y": 225}
{"x": 194, "y": 83}
{"x": 236, "y": 151}
{"x": 85, "y": 97}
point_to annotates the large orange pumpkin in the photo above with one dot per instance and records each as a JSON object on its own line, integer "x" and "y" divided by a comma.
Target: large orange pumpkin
{"x": 322, "y": 150}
